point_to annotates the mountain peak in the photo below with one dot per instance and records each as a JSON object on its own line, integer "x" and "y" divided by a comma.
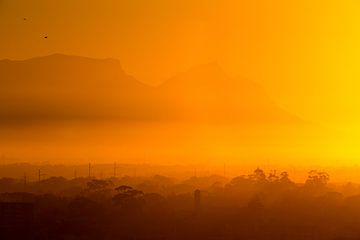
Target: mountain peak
{"x": 207, "y": 92}
{"x": 199, "y": 76}
{"x": 100, "y": 88}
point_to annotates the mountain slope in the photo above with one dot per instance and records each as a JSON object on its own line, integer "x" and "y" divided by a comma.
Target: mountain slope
{"x": 207, "y": 93}
{"x": 60, "y": 87}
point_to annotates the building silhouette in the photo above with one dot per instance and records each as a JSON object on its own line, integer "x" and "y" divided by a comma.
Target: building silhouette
{"x": 197, "y": 201}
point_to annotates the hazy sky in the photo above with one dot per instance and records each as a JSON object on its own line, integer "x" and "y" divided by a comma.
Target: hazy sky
{"x": 306, "y": 53}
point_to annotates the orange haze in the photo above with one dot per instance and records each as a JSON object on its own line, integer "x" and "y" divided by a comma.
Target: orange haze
{"x": 230, "y": 81}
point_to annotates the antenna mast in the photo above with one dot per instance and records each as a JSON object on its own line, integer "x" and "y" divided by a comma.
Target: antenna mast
{"x": 89, "y": 170}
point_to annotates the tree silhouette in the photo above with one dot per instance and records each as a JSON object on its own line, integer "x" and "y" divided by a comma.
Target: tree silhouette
{"x": 258, "y": 176}
{"x": 316, "y": 182}
{"x": 98, "y": 185}
{"x": 317, "y": 179}
{"x": 99, "y": 190}
{"x": 273, "y": 178}
{"x": 127, "y": 197}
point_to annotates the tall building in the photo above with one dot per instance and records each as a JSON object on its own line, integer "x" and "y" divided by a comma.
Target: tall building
{"x": 197, "y": 201}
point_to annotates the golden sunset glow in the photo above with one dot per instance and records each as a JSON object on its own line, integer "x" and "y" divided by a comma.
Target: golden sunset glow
{"x": 180, "y": 119}
{"x": 215, "y": 79}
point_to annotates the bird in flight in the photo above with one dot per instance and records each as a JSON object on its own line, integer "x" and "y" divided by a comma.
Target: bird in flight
{"x": 46, "y": 37}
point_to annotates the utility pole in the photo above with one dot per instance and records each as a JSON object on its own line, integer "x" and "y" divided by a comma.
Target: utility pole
{"x": 89, "y": 170}
{"x": 115, "y": 169}
{"x": 40, "y": 175}
{"x": 25, "y": 182}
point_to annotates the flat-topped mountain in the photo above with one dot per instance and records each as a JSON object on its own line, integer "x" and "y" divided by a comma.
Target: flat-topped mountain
{"x": 60, "y": 87}
{"x": 66, "y": 87}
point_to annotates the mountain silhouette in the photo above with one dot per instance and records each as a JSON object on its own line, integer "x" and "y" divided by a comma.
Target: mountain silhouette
{"x": 67, "y": 87}
{"x": 206, "y": 92}
{"x": 60, "y": 87}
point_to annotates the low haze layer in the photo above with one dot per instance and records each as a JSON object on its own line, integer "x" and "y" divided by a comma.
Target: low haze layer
{"x": 57, "y": 108}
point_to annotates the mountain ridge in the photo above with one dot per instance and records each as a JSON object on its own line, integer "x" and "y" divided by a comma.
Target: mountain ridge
{"x": 75, "y": 87}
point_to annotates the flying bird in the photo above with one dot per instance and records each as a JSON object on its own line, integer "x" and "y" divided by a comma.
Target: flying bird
{"x": 46, "y": 37}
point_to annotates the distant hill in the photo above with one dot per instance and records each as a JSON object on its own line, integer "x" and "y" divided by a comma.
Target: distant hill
{"x": 206, "y": 92}
{"x": 60, "y": 87}
{"x": 67, "y": 87}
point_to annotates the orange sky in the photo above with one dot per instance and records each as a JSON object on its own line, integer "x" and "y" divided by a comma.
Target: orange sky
{"x": 305, "y": 53}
